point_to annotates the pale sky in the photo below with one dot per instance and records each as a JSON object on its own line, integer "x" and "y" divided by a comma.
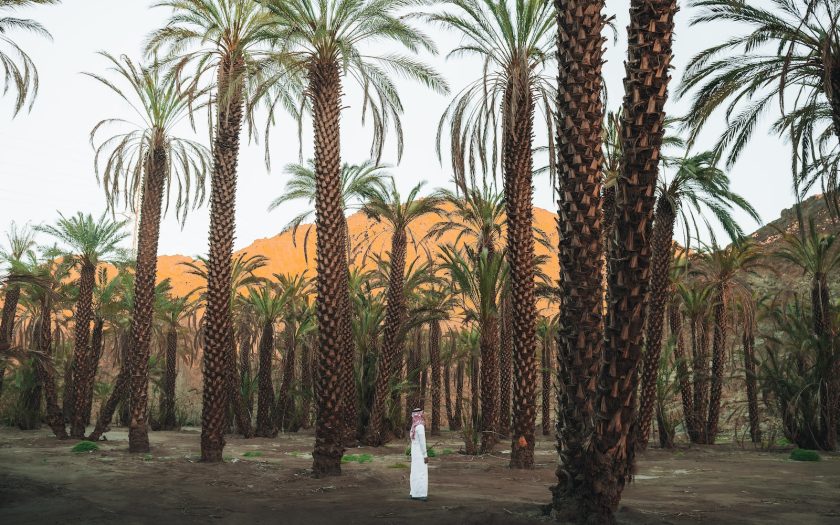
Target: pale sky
{"x": 46, "y": 161}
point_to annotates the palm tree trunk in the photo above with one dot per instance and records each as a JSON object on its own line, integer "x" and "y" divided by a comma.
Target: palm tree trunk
{"x": 44, "y": 369}
{"x": 93, "y": 365}
{"x": 7, "y": 323}
{"x": 699, "y": 329}
{"x": 285, "y": 405}
{"x": 413, "y": 377}
{"x": 350, "y": 397}
{"x": 518, "y": 164}
{"x": 475, "y": 374}
{"x": 489, "y": 345}
{"x": 305, "y": 385}
{"x": 121, "y": 385}
{"x": 245, "y": 344}
{"x": 546, "y": 385}
{"x": 683, "y": 376}
{"x": 650, "y": 35}
{"x": 77, "y": 390}
{"x": 505, "y": 367}
{"x": 219, "y": 327}
{"x": 718, "y": 361}
{"x": 434, "y": 359}
{"x": 331, "y": 255}
{"x": 144, "y": 292}
{"x": 265, "y": 397}
{"x": 391, "y": 345}
{"x": 168, "y": 420}
{"x": 459, "y": 395}
{"x": 660, "y": 286}
{"x": 830, "y": 386}
{"x": 750, "y": 378}
{"x": 584, "y": 227}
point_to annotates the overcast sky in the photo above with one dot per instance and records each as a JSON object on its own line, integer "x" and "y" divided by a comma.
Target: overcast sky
{"x": 46, "y": 161}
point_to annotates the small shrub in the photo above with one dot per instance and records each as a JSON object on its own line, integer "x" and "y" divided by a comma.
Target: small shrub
{"x": 148, "y": 457}
{"x": 398, "y": 465}
{"x": 84, "y": 446}
{"x": 432, "y": 453}
{"x": 446, "y": 452}
{"x": 252, "y": 454}
{"x": 800, "y": 454}
{"x": 357, "y": 458}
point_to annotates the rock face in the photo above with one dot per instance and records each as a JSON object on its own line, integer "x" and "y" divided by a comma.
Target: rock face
{"x": 294, "y": 254}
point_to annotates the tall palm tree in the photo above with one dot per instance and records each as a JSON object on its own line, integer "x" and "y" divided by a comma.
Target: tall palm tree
{"x": 323, "y": 41}
{"x": 398, "y": 212}
{"x": 695, "y": 299}
{"x": 514, "y": 41}
{"x": 268, "y": 303}
{"x": 147, "y": 162}
{"x": 650, "y": 37}
{"x": 19, "y": 71}
{"x": 696, "y": 186}
{"x": 817, "y": 254}
{"x": 584, "y": 226}
{"x": 789, "y": 55}
{"x": 86, "y": 242}
{"x": 223, "y": 39}
{"x": 479, "y": 279}
{"x": 20, "y": 242}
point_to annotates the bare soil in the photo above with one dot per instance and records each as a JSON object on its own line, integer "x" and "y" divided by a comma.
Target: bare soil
{"x": 42, "y": 481}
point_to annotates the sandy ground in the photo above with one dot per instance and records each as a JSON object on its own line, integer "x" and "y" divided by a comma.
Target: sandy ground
{"x": 41, "y": 481}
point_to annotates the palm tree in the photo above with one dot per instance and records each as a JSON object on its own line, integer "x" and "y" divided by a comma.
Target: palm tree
{"x": 225, "y": 38}
{"x": 514, "y": 42}
{"x": 725, "y": 269}
{"x": 476, "y": 217}
{"x": 268, "y": 303}
{"x": 323, "y": 42}
{"x": 87, "y": 242}
{"x": 144, "y": 162}
{"x": 789, "y": 54}
{"x": 697, "y": 185}
{"x": 175, "y": 310}
{"x": 695, "y": 299}
{"x": 19, "y": 71}
{"x": 399, "y": 213}
{"x": 584, "y": 227}
{"x": 20, "y": 241}
{"x": 817, "y": 254}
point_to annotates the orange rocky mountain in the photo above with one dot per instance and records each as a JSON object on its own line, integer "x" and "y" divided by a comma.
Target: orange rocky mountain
{"x": 286, "y": 256}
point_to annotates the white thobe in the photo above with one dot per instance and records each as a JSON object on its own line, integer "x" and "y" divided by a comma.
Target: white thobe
{"x": 419, "y": 469}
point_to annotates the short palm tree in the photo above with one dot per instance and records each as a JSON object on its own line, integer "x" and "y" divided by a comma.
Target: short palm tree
{"x": 697, "y": 186}
{"x": 789, "y": 55}
{"x": 86, "y": 242}
{"x": 398, "y": 212}
{"x": 818, "y": 254}
{"x": 145, "y": 161}
{"x": 476, "y": 217}
{"x": 19, "y": 71}
{"x": 174, "y": 312}
{"x": 515, "y": 41}
{"x": 223, "y": 39}
{"x": 323, "y": 41}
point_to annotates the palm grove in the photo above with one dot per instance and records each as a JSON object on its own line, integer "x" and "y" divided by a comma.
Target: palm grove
{"x": 639, "y": 326}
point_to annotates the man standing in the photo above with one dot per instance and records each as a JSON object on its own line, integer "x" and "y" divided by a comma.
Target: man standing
{"x": 419, "y": 460}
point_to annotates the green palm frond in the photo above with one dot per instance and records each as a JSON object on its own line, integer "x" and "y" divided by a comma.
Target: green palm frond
{"x": 86, "y": 240}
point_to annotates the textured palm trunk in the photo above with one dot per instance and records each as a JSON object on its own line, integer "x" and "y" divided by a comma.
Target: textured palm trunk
{"x": 518, "y": 132}
{"x": 660, "y": 286}
{"x": 666, "y": 437}
{"x": 76, "y": 393}
{"x": 350, "y": 397}
{"x": 306, "y": 386}
{"x": 168, "y": 420}
{"x": 413, "y": 377}
{"x": 833, "y": 84}
{"x": 580, "y": 115}
{"x": 219, "y": 325}
{"x": 144, "y": 301}
{"x": 699, "y": 338}
{"x": 285, "y": 405}
{"x": 118, "y": 393}
{"x": 391, "y": 344}
{"x": 332, "y": 279}
{"x": 459, "y": 396}
{"x": 718, "y": 362}
{"x": 650, "y": 35}
{"x": 830, "y": 386}
{"x": 44, "y": 369}
{"x": 683, "y": 376}
{"x": 265, "y": 397}
{"x": 546, "y": 386}
{"x": 489, "y": 345}
{"x": 750, "y": 376}
{"x": 434, "y": 360}
{"x": 447, "y": 396}
{"x": 475, "y": 373}
{"x": 505, "y": 367}
{"x": 7, "y": 323}
{"x": 245, "y": 344}
{"x": 93, "y": 365}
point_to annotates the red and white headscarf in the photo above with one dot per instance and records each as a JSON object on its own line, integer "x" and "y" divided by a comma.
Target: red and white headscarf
{"x": 416, "y": 419}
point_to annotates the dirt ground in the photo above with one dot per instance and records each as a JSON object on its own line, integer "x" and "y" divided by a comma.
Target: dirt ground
{"x": 42, "y": 481}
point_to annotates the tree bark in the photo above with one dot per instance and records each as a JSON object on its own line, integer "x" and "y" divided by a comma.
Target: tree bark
{"x": 434, "y": 359}
{"x": 44, "y": 370}
{"x": 683, "y": 376}
{"x": 285, "y": 404}
{"x": 489, "y": 344}
{"x": 81, "y": 348}
{"x": 718, "y": 362}
{"x": 750, "y": 376}
{"x": 546, "y": 386}
{"x": 168, "y": 420}
{"x": 7, "y": 323}
{"x": 265, "y": 397}
{"x": 505, "y": 367}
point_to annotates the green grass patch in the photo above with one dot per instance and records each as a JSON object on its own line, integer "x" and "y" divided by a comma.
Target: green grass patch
{"x": 252, "y": 454}
{"x": 148, "y": 457}
{"x": 357, "y": 458}
{"x": 432, "y": 453}
{"x": 446, "y": 452}
{"x": 800, "y": 454}
{"x": 84, "y": 446}
{"x": 398, "y": 465}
